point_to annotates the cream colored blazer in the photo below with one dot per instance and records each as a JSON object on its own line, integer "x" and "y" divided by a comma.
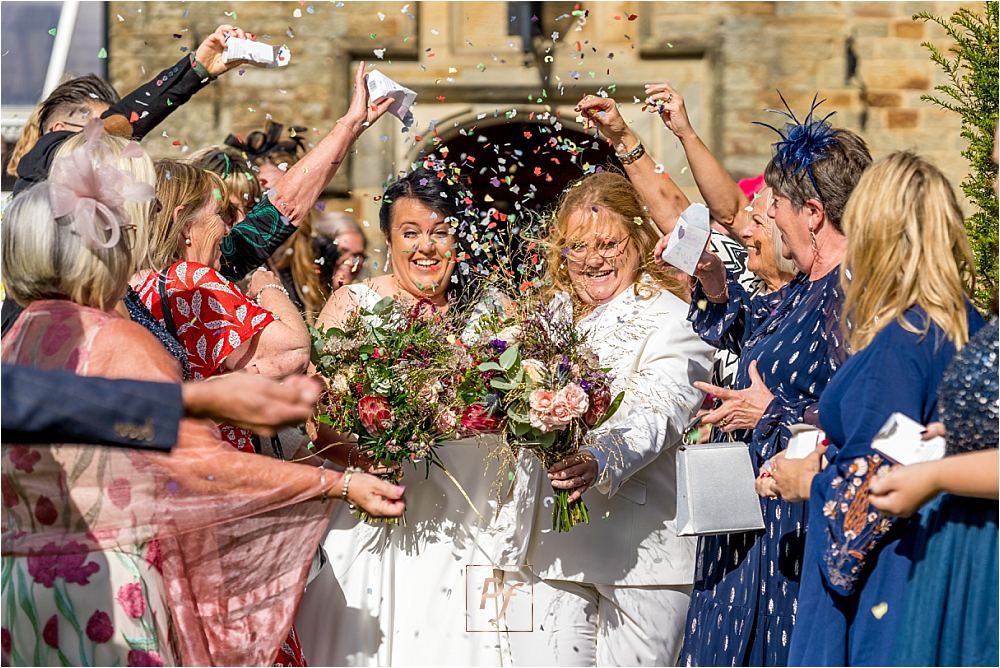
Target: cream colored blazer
{"x": 631, "y": 539}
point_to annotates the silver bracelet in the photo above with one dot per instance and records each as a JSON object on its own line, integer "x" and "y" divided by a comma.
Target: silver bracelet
{"x": 348, "y": 474}
{"x": 633, "y": 155}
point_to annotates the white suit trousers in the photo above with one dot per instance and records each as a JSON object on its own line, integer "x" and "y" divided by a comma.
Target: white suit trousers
{"x": 581, "y": 624}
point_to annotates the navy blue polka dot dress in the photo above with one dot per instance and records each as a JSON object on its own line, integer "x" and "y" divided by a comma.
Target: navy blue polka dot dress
{"x": 743, "y": 606}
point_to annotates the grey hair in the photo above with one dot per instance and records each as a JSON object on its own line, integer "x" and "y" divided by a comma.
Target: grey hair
{"x": 45, "y": 258}
{"x": 335, "y": 223}
{"x": 836, "y": 174}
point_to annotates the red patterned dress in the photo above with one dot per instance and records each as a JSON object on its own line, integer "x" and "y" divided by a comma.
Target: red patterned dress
{"x": 211, "y": 317}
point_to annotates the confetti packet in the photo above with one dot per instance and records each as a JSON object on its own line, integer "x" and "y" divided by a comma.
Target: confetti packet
{"x": 688, "y": 239}
{"x": 379, "y": 86}
{"x": 257, "y": 52}
{"x": 901, "y": 440}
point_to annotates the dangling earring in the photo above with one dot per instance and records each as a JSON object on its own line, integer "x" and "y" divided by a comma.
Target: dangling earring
{"x": 388, "y": 259}
{"x": 812, "y": 240}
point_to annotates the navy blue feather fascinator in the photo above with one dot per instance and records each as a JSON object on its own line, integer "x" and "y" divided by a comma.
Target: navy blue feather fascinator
{"x": 802, "y": 142}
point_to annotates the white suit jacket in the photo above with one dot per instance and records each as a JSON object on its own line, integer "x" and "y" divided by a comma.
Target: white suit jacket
{"x": 631, "y": 540}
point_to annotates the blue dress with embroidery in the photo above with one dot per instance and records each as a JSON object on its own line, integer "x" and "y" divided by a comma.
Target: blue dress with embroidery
{"x": 857, "y": 560}
{"x": 743, "y": 606}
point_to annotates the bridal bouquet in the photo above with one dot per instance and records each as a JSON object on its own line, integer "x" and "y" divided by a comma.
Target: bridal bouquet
{"x": 400, "y": 380}
{"x": 551, "y": 390}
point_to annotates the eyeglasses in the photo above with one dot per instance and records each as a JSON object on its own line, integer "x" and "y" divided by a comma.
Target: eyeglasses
{"x": 609, "y": 249}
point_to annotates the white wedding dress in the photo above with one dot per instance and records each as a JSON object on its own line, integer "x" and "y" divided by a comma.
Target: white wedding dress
{"x": 394, "y": 595}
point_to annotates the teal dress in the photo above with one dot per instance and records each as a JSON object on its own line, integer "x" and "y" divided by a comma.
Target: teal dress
{"x": 950, "y": 607}
{"x": 857, "y": 560}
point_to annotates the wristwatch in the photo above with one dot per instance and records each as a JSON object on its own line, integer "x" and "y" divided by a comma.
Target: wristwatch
{"x": 629, "y": 157}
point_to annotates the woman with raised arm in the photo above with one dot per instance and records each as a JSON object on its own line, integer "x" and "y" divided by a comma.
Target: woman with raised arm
{"x": 754, "y": 264}
{"x": 743, "y": 608}
{"x": 615, "y": 592}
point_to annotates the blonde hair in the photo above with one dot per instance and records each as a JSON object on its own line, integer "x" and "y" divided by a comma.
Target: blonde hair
{"x": 612, "y": 196}
{"x": 178, "y": 184}
{"x": 906, "y": 246}
{"x": 109, "y": 150}
{"x": 298, "y": 255}
{"x": 45, "y": 258}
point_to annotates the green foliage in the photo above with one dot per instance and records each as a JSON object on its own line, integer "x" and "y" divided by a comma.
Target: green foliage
{"x": 972, "y": 93}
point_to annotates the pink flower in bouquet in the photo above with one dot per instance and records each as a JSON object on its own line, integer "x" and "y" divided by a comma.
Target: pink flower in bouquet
{"x": 573, "y": 400}
{"x": 375, "y": 414}
{"x": 476, "y": 418}
{"x": 598, "y": 406}
{"x": 546, "y": 413}
{"x": 446, "y": 421}
{"x": 540, "y": 401}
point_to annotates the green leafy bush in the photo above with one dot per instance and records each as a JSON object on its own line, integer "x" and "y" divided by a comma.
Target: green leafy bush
{"x": 972, "y": 93}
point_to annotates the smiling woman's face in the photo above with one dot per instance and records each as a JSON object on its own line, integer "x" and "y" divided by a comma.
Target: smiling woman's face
{"x": 422, "y": 249}
{"x": 601, "y": 258}
{"x": 757, "y": 234}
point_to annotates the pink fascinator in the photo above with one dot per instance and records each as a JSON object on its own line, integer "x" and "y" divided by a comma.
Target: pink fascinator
{"x": 93, "y": 194}
{"x": 751, "y": 187}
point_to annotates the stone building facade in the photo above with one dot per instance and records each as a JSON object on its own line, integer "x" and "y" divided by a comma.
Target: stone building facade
{"x": 472, "y": 69}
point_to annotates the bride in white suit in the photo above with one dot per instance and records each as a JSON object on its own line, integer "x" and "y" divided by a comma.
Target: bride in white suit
{"x": 616, "y": 591}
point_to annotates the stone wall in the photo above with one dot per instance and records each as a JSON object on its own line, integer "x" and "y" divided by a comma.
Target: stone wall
{"x": 727, "y": 57}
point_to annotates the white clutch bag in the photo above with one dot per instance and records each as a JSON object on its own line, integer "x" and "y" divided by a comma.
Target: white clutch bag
{"x": 715, "y": 490}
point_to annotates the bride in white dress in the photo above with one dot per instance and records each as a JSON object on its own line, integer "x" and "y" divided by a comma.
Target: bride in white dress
{"x": 396, "y": 595}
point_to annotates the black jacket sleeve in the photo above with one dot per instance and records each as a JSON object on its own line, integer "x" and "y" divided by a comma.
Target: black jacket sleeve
{"x": 42, "y": 406}
{"x": 254, "y": 239}
{"x": 148, "y": 105}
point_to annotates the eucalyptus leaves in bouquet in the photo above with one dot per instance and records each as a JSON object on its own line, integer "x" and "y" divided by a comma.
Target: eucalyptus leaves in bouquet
{"x": 401, "y": 382}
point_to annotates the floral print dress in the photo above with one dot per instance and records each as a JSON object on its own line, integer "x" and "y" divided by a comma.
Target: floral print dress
{"x": 211, "y": 318}
{"x": 66, "y": 602}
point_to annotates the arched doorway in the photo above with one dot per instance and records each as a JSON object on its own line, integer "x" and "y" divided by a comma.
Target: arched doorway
{"x": 515, "y": 164}
{"x": 516, "y": 169}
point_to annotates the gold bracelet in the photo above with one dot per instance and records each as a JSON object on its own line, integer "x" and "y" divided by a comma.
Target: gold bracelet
{"x": 713, "y": 298}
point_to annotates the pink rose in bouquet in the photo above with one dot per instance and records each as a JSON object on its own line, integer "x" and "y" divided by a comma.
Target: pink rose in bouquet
{"x": 374, "y": 413}
{"x": 541, "y": 404}
{"x": 572, "y": 400}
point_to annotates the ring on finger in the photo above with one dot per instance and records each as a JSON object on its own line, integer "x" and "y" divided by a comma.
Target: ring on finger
{"x": 670, "y": 98}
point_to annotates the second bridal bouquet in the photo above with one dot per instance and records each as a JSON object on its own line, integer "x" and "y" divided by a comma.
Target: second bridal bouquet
{"x": 552, "y": 390}
{"x": 400, "y": 381}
